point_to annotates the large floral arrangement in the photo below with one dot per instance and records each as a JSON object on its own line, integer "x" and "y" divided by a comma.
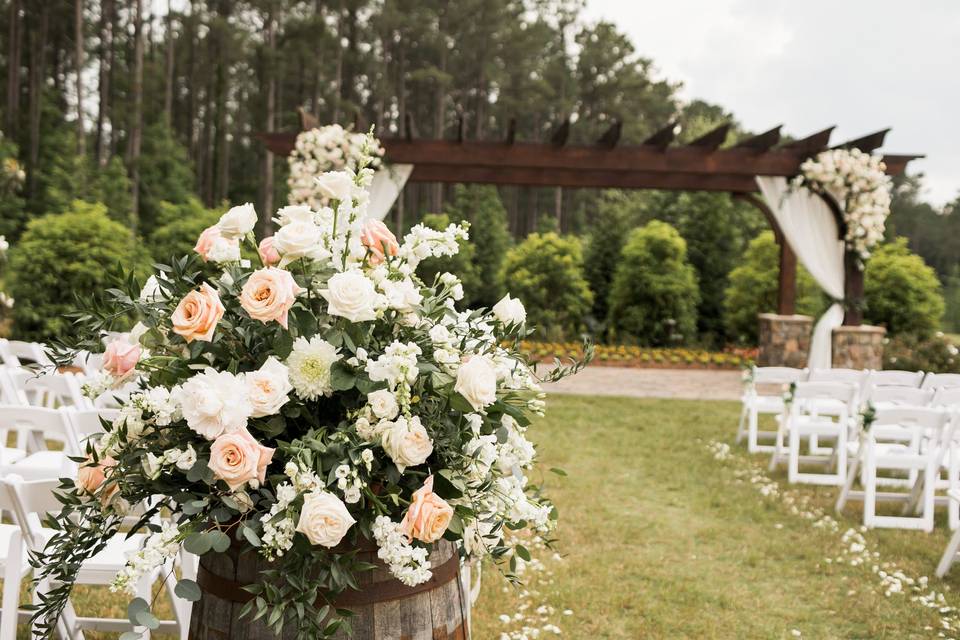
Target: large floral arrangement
{"x": 318, "y": 400}
{"x": 860, "y": 185}
{"x": 328, "y": 148}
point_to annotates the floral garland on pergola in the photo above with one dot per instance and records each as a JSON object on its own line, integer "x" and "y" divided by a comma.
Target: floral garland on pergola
{"x": 328, "y": 148}
{"x": 860, "y": 185}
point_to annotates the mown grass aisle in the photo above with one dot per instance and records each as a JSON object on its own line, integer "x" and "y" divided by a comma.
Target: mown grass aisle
{"x": 663, "y": 540}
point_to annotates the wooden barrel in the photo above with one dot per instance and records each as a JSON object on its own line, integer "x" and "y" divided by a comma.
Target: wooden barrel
{"x": 385, "y": 608}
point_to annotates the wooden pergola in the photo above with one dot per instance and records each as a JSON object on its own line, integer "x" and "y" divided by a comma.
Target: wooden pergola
{"x": 657, "y": 163}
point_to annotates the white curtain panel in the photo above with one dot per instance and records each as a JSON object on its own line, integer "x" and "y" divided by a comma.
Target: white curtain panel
{"x": 386, "y": 186}
{"x": 811, "y": 231}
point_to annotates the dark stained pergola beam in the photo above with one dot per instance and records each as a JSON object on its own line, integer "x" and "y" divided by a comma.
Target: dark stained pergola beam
{"x": 761, "y": 142}
{"x": 712, "y": 139}
{"x": 812, "y": 144}
{"x": 611, "y": 136}
{"x": 662, "y": 138}
{"x": 867, "y": 143}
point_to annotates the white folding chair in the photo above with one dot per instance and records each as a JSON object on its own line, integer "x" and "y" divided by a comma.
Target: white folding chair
{"x": 34, "y": 499}
{"x": 894, "y": 378}
{"x": 39, "y": 425}
{"x": 950, "y": 553}
{"x": 886, "y": 397}
{"x": 28, "y": 353}
{"x": 764, "y": 396}
{"x": 85, "y": 424}
{"x": 902, "y": 439}
{"x": 15, "y": 567}
{"x": 948, "y": 459}
{"x": 856, "y": 377}
{"x": 6, "y": 355}
{"x": 941, "y": 380}
{"x": 818, "y": 410}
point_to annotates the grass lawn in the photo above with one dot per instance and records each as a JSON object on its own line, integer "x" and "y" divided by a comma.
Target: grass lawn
{"x": 663, "y": 540}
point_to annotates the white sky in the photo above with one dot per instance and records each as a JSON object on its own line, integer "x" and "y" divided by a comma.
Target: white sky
{"x": 863, "y": 65}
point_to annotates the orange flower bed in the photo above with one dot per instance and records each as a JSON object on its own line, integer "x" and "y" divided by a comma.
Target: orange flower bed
{"x": 647, "y": 357}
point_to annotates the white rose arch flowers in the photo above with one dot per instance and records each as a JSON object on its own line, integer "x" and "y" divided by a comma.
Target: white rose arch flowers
{"x": 860, "y": 185}
{"x": 320, "y": 159}
{"x": 322, "y": 398}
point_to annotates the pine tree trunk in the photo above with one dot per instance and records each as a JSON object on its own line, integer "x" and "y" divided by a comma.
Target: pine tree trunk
{"x": 267, "y": 205}
{"x": 106, "y": 61}
{"x": 37, "y": 69}
{"x": 168, "y": 69}
{"x": 78, "y": 52}
{"x": 338, "y": 94}
{"x": 136, "y": 120}
{"x": 13, "y": 68}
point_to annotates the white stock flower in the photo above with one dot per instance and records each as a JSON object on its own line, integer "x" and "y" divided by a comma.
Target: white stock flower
{"x": 406, "y": 442}
{"x": 293, "y": 213}
{"x": 510, "y": 311}
{"x": 238, "y": 221}
{"x": 324, "y": 519}
{"x": 268, "y": 388}
{"x": 477, "y": 382}
{"x": 351, "y": 295}
{"x": 383, "y": 404}
{"x": 309, "y": 366}
{"x": 214, "y": 402}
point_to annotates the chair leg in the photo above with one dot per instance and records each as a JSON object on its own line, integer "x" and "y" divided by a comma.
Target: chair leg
{"x": 948, "y": 555}
{"x": 953, "y": 508}
{"x": 753, "y": 428}
{"x": 793, "y": 453}
{"x": 741, "y": 424}
{"x": 869, "y": 492}
{"x": 848, "y": 485}
{"x": 11, "y": 589}
{"x": 929, "y": 495}
{"x": 144, "y": 588}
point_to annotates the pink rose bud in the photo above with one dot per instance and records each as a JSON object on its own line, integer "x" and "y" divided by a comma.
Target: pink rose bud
{"x": 428, "y": 516}
{"x": 121, "y": 357}
{"x": 237, "y": 458}
{"x": 197, "y": 315}
{"x": 268, "y": 295}
{"x": 206, "y": 241}
{"x": 378, "y": 240}
{"x": 267, "y": 252}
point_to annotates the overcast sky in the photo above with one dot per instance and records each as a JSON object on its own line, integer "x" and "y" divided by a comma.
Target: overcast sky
{"x": 863, "y": 65}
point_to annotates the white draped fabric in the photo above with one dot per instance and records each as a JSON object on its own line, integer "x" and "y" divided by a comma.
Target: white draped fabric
{"x": 811, "y": 230}
{"x": 386, "y": 186}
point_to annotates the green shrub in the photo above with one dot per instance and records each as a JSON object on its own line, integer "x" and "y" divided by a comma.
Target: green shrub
{"x": 463, "y": 265}
{"x": 934, "y": 353}
{"x": 489, "y": 233}
{"x": 166, "y": 174}
{"x": 181, "y": 225}
{"x": 12, "y": 212}
{"x": 654, "y": 294}
{"x": 62, "y": 256}
{"x": 754, "y": 286}
{"x": 546, "y": 273}
{"x": 602, "y": 249}
{"x": 902, "y": 293}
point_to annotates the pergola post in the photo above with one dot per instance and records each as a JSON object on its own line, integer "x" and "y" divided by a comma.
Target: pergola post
{"x": 787, "y": 292}
{"x": 853, "y": 290}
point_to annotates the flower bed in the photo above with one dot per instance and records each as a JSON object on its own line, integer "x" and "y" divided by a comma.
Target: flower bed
{"x": 644, "y": 357}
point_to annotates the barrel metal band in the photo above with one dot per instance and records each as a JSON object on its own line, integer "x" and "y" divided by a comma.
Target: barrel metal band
{"x": 385, "y": 591}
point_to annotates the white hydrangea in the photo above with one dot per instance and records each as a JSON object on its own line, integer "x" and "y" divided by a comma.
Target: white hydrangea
{"x": 408, "y": 564}
{"x": 423, "y": 242}
{"x": 309, "y": 366}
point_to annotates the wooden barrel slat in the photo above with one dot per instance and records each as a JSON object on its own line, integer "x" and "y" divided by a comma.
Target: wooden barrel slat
{"x": 434, "y": 614}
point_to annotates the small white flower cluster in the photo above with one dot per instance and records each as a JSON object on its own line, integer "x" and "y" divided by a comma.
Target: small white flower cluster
{"x": 329, "y": 148}
{"x": 408, "y": 564}
{"x": 182, "y": 459}
{"x": 349, "y": 482}
{"x": 398, "y": 368}
{"x": 278, "y": 532}
{"x": 97, "y": 384}
{"x": 423, "y": 242}
{"x": 859, "y": 183}
{"x": 157, "y": 549}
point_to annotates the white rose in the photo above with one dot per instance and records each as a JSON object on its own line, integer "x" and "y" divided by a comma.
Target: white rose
{"x": 352, "y": 296}
{"x": 406, "y": 442}
{"x": 293, "y": 213}
{"x": 298, "y": 240}
{"x": 337, "y": 185}
{"x": 238, "y": 221}
{"x": 403, "y": 295}
{"x": 324, "y": 519}
{"x": 268, "y": 388}
{"x": 383, "y": 404}
{"x": 214, "y": 402}
{"x": 510, "y": 311}
{"x": 477, "y": 382}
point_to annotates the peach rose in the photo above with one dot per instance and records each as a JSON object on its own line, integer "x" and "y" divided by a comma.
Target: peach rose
{"x": 121, "y": 357}
{"x": 428, "y": 516}
{"x": 268, "y": 295}
{"x": 206, "y": 241}
{"x": 237, "y": 458}
{"x": 379, "y": 240}
{"x": 268, "y": 253}
{"x": 197, "y": 315}
{"x": 92, "y": 474}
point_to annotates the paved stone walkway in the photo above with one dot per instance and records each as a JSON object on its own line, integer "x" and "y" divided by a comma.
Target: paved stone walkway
{"x": 692, "y": 384}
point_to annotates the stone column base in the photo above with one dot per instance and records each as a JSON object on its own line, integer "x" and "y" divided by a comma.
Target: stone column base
{"x": 784, "y": 340}
{"x": 858, "y": 347}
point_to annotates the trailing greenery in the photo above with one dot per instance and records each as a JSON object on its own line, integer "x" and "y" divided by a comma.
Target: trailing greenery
{"x": 654, "y": 295}
{"x": 902, "y": 293}
{"x": 62, "y": 256}
{"x": 754, "y": 286}
{"x": 546, "y": 272}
